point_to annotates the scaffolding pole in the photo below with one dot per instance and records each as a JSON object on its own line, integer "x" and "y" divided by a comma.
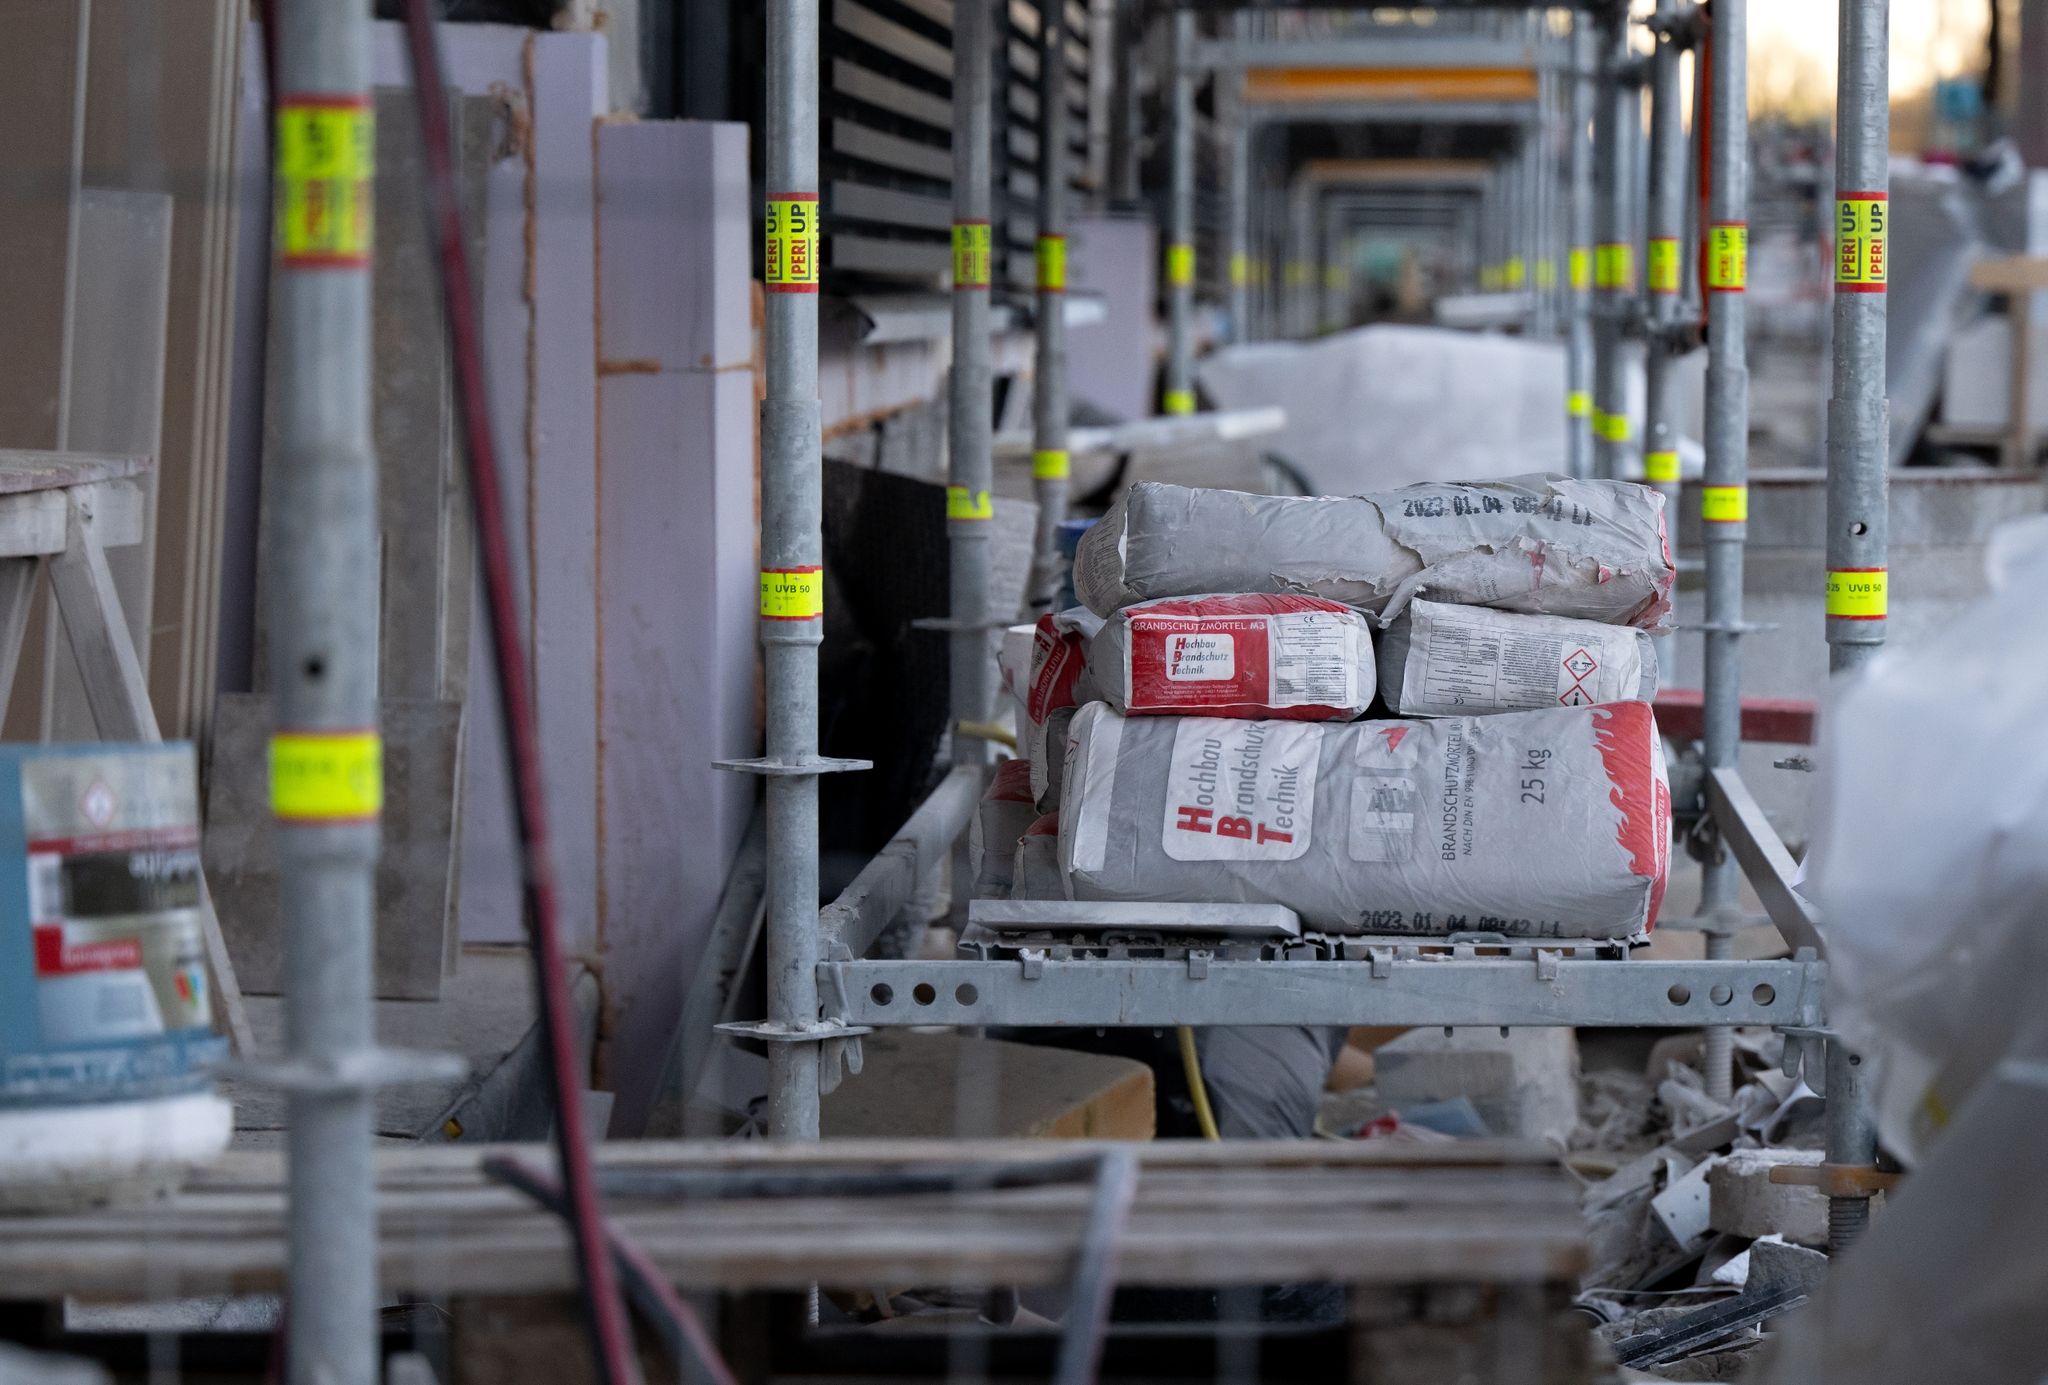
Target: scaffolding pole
{"x": 970, "y": 402}
{"x": 1614, "y": 248}
{"x": 325, "y": 758}
{"x": 1579, "y": 254}
{"x": 1665, "y": 322}
{"x": 1230, "y": 97}
{"x": 792, "y": 560}
{"x": 1858, "y": 455}
{"x": 1542, "y": 172}
{"x": 1724, "y": 494}
{"x": 1049, "y": 460}
{"x": 1180, "y": 242}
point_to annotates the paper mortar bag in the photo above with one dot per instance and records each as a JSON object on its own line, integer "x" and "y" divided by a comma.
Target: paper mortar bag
{"x": 1552, "y": 824}
{"x": 1593, "y": 550}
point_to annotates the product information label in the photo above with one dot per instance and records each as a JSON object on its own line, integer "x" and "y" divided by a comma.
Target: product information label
{"x": 325, "y": 777}
{"x": 1049, "y": 465}
{"x": 1663, "y": 266}
{"x": 1459, "y": 663}
{"x": 1724, "y": 504}
{"x": 1614, "y": 267}
{"x": 792, "y": 593}
{"x": 1300, "y": 659}
{"x": 1857, "y": 593}
{"x": 790, "y": 264}
{"x": 1241, "y": 790}
{"x": 114, "y": 896}
{"x": 1728, "y": 257}
{"x": 1660, "y": 468}
{"x": 1862, "y": 225}
{"x": 1180, "y": 265}
{"x": 970, "y": 255}
{"x": 326, "y": 153}
{"x": 962, "y": 503}
{"x": 1052, "y": 264}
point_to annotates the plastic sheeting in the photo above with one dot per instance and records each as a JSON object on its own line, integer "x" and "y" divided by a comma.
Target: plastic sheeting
{"x": 1385, "y": 406}
{"x": 1932, "y": 867}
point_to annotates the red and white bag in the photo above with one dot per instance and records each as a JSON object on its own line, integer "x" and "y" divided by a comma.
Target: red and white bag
{"x": 1301, "y": 658}
{"x": 1553, "y": 824}
{"x": 1058, "y": 660}
{"x": 1005, "y": 811}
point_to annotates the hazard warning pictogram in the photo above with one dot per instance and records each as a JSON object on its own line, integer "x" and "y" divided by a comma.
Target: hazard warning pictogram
{"x": 1578, "y": 664}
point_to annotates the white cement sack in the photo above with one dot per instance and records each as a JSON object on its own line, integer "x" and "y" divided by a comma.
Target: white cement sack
{"x": 1445, "y": 661}
{"x": 1035, "y": 873}
{"x": 1532, "y": 824}
{"x": 1300, "y": 658}
{"x": 1049, "y": 760}
{"x": 1058, "y": 659}
{"x": 1593, "y": 550}
{"x": 1005, "y": 811}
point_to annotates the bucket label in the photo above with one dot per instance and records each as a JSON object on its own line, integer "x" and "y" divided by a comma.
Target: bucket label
{"x": 110, "y": 908}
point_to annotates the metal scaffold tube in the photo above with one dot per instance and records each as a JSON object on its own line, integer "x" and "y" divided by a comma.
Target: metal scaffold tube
{"x": 1230, "y": 97}
{"x": 1858, "y": 449}
{"x": 326, "y": 759}
{"x": 1579, "y": 251}
{"x": 1180, "y": 234}
{"x": 1724, "y": 494}
{"x": 792, "y": 559}
{"x": 970, "y": 403}
{"x": 1614, "y": 247}
{"x": 1049, "y": 460}
{"x": 1665, "y": 258}
{"x": 1859, "y": 429}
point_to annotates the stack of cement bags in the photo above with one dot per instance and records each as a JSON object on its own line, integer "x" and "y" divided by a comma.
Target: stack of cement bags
{"x": 1194, "y": 733}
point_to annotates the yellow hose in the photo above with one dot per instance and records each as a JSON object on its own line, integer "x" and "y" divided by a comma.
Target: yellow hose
{"x": 989, "y": 731}
{"x": 1191, "y": 1064}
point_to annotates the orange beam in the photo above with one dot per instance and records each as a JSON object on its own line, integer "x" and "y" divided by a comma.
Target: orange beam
{"x": 1283, "y": 85}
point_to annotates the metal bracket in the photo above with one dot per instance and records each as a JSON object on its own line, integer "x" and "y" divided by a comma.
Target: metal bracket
{"x": 1683, "y": 29}
{"x": 769, "y": 1032}
{"x": 1546, "y": 964}
{"x": 807, "y": 766}
{"x": 1198, "y": 966}
{"x": 1806, "y": 1048}
{"x": 1838, "y": 1180}
{"x": 366, "y": 1070}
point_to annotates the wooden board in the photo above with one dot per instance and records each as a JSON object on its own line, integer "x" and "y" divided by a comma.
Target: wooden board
{"x": 943, "y": 1083}
{"x": 1237, "y": 1212}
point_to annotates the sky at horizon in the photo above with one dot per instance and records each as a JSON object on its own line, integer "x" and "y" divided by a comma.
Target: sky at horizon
{"x": 1792, "y": 49}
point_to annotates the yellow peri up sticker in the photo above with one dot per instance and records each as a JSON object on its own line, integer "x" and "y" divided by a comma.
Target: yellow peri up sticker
{"x": 1052, "y": 264}
{"x": 1580, "y": 266}
{"x": 970, "y": 255}
{"x": 1180, "y": 265}
{"x": 1660, "y": 468}
{"x": 326, "y": 153}
{"x": 1862, "y": 232}
{"x": 792, "y": 593}
{"x": 328, "y": 777}
{"x": 1724, "y": 504}
{"x": 790, "y": 262}
{"x": 1610, "y": 427}
{"x": 1240, "y": 269}
{"x": 1728, "y": 257}
{"x": 1180, "y": 401}
{"x": 1048, "y": 465}
{"x": 1578, "y": 404}
{"x": 962, "y": 503}
{"x": 1614, "y": 267}
{"x": 1546, "y": 273}
{"x": 1489, "y": 277}
{"x": 1856, "y": 593}
{"x": 1515, "y": 272}
{"x": 1661, "y": 272}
